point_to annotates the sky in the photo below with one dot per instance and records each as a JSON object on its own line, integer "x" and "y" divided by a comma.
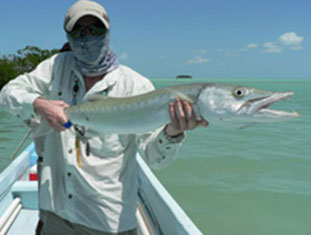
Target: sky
{"x": 214, "y": 39}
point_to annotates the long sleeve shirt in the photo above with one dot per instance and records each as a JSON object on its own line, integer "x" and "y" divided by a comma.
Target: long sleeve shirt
{"x": 102, "y": 193}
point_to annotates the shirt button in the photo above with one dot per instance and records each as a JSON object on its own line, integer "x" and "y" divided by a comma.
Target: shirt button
{"x": 70, "y": 196}
{"x": 68, "y": 174}
{"x": 70, "y": 151}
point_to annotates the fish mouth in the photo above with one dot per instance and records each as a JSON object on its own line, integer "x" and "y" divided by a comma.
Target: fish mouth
{"x": 262, "y": 105}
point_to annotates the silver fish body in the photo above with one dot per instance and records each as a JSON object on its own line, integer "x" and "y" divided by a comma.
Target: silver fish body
{"x": 220, "y": 104}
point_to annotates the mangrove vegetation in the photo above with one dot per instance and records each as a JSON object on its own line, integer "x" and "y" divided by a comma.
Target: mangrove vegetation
{"x": 25, "y": 60}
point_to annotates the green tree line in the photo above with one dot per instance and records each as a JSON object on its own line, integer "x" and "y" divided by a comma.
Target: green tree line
{"x": 25, "y": 60}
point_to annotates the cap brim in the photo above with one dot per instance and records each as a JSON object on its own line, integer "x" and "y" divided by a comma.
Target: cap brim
{"x": 69, "y": 26}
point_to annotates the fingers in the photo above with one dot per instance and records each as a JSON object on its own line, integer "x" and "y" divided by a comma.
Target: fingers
{"x": 57, "y": 120}
{"x": 183, "y": 117}
{"x": 181, "y": 114}
{"x": 59, "y": 103}
{"x": 53, "y": 112}
{"x": 190, "y": 116}
{"x": 174, "y": 128}
{"x": 173, "y": 115}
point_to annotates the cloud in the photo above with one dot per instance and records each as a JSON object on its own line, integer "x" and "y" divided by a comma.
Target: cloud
{"x": 123, "y": 56}
{"x": 291, "y": 39}
{"x": 271, "y": 47}
{"x": 250, "y": 46}
{"x": 288, "y": 40}
{"x": 198, "y": 60}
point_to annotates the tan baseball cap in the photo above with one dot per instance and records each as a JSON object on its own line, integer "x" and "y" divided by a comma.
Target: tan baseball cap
{"x": 82, "y": 8}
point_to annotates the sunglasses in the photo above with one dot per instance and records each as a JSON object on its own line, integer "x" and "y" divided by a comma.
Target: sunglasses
{"x": 82, "y": 31}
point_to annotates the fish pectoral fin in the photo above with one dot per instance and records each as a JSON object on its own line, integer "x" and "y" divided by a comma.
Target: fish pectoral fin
{"x": 182, "y": 96}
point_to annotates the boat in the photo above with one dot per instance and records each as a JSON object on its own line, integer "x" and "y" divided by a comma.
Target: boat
{"x": 158, "y": 213}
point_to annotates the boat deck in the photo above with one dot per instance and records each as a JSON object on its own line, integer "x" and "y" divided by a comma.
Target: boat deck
{"x": 26, "y": 219}
{"x": 23, "y": 213}
{"x": 158, "y": 213}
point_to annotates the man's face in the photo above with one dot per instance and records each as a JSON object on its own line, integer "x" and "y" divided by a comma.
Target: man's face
{"x": 88, "y": 25}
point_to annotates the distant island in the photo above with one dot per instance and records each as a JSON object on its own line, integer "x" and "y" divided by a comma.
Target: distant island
{"x": 184, "y": 76}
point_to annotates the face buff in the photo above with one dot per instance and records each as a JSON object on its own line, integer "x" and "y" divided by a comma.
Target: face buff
{"x": 92, "y": 54}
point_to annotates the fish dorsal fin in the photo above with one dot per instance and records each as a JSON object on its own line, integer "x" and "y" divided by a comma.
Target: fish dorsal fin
{"x": 181, "y": 95}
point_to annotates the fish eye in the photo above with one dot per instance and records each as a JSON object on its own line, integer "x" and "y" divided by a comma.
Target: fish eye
{"x": 239, "y": 92}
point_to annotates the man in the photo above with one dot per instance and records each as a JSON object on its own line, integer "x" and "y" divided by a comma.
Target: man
{"x": 88, "y": 180}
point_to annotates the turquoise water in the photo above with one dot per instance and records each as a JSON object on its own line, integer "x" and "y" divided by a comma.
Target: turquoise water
{"x": 253, "y": 181}
{"x": 12, "y": 131}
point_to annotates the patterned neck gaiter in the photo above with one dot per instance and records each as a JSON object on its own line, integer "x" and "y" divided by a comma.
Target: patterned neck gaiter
{"x": 92, "y": 54}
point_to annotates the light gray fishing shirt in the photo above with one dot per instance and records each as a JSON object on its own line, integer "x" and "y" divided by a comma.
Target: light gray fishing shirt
{"x": 102, "y": 193}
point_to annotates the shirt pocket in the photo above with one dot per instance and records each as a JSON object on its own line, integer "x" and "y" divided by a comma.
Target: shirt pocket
{"x": 109, "y": 145}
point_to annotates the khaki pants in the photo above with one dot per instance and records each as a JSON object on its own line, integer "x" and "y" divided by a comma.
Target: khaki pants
{"x": 55, "y": 225}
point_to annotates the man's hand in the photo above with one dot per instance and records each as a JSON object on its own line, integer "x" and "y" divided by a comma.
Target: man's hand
{"x": 52, "y": 111}
{"x": 182, "y": 118}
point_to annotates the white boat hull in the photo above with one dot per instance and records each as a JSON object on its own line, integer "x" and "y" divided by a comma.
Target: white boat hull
{"x": 158, "y": 212}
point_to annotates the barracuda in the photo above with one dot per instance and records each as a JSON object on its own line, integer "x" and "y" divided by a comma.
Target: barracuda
{"x": 219, "y": 104}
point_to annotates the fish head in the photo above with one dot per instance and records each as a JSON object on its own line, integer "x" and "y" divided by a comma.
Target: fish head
{"x": 239, "y": 106}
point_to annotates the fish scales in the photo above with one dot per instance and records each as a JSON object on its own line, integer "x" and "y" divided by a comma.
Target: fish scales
{"x": 220, "y": 104}
{"x": 136, "y": 114}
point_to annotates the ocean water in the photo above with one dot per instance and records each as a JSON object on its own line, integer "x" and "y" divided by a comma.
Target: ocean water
{"x": 254, "y": 181}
